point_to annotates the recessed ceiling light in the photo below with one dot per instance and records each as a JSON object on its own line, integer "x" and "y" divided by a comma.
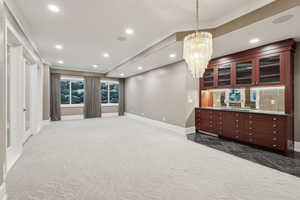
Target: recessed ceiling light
{"x": 53, "y": 8}
{"x": 122, "y": 74}
{"x": 172, "y": 55}
{"x": 254, "y": 40}
{"x": 95, "y": 66}
{"x": 106, "y": 55}
{"x": 129, "y": 31}
{"x": 59, "y": 46}
{"x": 140, "y": 68}
{"x": 60, "y": 62}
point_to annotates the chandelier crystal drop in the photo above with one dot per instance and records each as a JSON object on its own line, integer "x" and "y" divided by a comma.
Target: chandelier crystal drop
{"x": 197, "y": 50}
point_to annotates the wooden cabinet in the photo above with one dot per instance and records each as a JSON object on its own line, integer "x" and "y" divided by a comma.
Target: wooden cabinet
{"x": 244, "y": 73}
{"x": 271, "y": 64}
{"x": 208, "y": 80}
{"x": 266, "y": 65}
{"x": 270, "y": 70}
{"x": 224, "y": 74}
{"x": 265, "y": 130}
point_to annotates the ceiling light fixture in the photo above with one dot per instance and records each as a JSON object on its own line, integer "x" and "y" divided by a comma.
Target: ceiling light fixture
{"x": 140, "y": 68}
{"x": 197, "y": 49}
{"x": 172, "y": 55}
{"x": 254, "y": 40}
{"x": 95, "y": 66}
{"x": 61, "y": 62}
{"x": 122, "y": 74}
{"x": 53, "y": 8}
{"x": 129, "y": 31}
{"x": 59, "y": 47}
{"x": 106, "y": 55}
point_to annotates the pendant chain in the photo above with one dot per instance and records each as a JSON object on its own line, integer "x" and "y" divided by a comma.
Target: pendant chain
{"x": 197, "y": 14}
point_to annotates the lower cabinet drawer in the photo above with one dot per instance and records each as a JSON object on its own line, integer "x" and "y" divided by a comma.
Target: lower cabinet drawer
{"x": 265, "y": 141}
{"x": 259, "y": 129}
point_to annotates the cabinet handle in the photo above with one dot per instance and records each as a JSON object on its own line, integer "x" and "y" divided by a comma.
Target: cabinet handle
{"x": 275, "y": 139}
{"x": 250, "y": 128}
{"x": 274, "y": 145}
{"x": 274, "y": 119}
{"x": 236, "y": 136}
{"x": 274, "y": 125}
{"x": 250, "y": 133}
{"x": 250, "y": 122}
{"x": 275, "y": 132}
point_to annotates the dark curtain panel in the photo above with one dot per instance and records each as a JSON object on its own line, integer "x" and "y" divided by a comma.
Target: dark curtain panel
{"x": 55, "y": 112}
{"x": 92, "y": 108}
{"x": 121, "y": 97}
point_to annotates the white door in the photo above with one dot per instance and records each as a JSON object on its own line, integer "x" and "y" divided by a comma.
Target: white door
{"x": 27, "y": 86}
{"x": 15, "y": 102}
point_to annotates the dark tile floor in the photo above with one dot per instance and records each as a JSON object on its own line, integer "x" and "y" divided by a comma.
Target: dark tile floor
{"x": 290, "y": 165}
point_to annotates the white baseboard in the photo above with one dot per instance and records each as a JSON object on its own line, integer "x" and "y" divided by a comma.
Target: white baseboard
{"x": 297, "y": 146}
{"x": 190, "y": 130}
{"x": 175, "y": 128}
{"x": 3, "y": 195}
{"x": 110, "y": 114}
{"x": 42, "y": 125}
{"x": 72, "y": 117}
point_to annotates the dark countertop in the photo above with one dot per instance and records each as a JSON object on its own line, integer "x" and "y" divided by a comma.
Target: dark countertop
{"x": 245, "y": 111}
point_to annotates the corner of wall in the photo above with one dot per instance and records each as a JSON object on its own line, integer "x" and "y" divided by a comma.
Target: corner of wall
{"x": 3, "y": 195}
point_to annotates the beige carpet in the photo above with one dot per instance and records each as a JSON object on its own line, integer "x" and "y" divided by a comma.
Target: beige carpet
{"x": 124, "y": 159}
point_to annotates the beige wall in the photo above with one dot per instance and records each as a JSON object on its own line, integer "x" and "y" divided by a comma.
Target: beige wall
{"x": 46, "y": 92}
{"x": 297, "y": 93}
{"x": 159, "y": 94}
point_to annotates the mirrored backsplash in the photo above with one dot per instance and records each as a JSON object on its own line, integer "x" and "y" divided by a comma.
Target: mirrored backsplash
{"x": 256, "y": 98}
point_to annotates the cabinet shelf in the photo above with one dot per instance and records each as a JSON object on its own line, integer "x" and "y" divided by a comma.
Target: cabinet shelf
{"x": 224, "y": 80}
{"x": 269, "y": 75}
{"x": 224, "y": 74}
{"x": 244, "y": 69}
{"x": 245, "y": 78}
{"x": 270, "y": 65}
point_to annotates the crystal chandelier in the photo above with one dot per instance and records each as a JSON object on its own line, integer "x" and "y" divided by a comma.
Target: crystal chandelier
{"x": 197, "y": 49}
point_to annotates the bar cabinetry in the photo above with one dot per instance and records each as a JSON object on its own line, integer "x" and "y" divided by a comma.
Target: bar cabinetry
{"x": 265, "y": 130}
{"x": 268, "y": 66}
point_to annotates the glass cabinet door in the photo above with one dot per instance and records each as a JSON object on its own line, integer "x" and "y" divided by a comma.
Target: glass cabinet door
{"x": 244, "y": 73}
{"x": 269, "y": 70}
{"x": 224, "y": 75}
{"x": 208, "y": 78}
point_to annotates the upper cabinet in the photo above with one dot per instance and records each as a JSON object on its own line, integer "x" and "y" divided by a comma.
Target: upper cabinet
{"x": 224, "y": 75}
{"x": 266, "y": 65}
{"x": 244, "y": 73}
{"x": 269, "y": 70}
{"x": 208, "y": 80}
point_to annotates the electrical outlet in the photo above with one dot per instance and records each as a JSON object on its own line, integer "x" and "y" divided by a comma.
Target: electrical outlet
{"x": 164, "y": 118}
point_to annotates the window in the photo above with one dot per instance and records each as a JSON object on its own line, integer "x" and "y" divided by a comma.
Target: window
{"x": 72, "y": 92}
{"x": 109, "y": 92}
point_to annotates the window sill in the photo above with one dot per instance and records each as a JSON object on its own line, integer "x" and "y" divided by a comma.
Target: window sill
{"x": 71, "y": 105}
{"x": 110, "y": 104}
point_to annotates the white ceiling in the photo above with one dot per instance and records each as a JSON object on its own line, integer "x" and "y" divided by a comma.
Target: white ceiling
{"x": 236, "y": 41}
{"x": 89, "y": 28}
